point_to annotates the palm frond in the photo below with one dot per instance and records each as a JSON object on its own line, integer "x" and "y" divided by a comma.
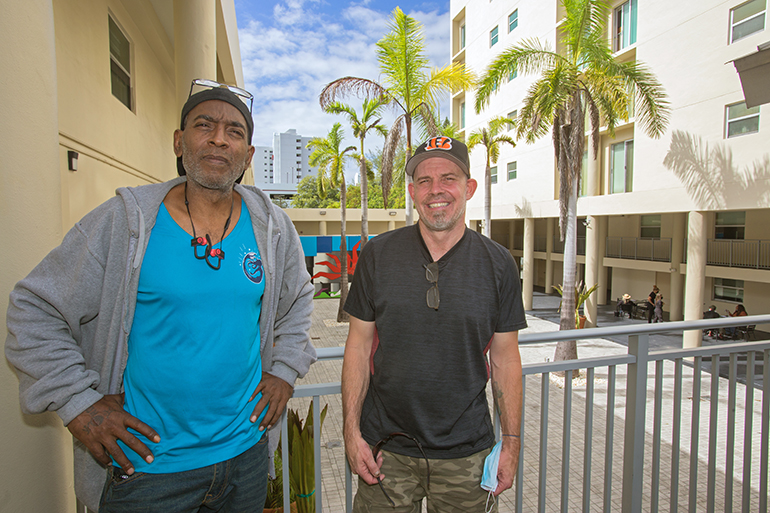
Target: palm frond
{"x": 351, "y": 86}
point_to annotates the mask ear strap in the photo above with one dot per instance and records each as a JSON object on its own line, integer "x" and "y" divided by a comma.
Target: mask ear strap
{"x": 488, "y": 507}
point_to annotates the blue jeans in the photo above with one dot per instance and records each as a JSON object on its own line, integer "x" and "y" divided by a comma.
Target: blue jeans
{"x": 236, "y": 485}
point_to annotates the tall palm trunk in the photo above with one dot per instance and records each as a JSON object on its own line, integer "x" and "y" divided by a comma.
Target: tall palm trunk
{"x": 567, "y": 349}
{"x": 342, "y": 315}
{"x": 407, "y": 178}
{"x": 488, "y": 200}
{"x": 364, "y": 199}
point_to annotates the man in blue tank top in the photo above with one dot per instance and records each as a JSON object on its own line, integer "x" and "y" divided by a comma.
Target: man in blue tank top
{"x": 169, "y": 327}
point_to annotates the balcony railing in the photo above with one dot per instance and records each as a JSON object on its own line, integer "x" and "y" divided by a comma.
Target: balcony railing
{"x": 751, "y": 254}
{"x": 639, "y": 248}
{"x": 701, "y": 460}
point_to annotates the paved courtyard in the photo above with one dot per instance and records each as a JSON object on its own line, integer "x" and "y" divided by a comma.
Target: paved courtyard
{"x": 674, "y": 464}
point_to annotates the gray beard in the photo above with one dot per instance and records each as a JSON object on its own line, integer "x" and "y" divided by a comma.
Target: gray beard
{"x": 195, "y": 174}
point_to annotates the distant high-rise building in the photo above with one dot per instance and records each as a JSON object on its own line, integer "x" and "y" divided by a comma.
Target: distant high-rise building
{"x": 262, "y": 164}
{"x": 290, "y": 158}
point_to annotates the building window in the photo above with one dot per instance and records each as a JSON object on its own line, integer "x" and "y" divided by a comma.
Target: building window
{"x": 493, "y": 37}
{"x": 462, "y": 116}
{"x": 513, "y": 116}
{"x": 513, "y": 74}
{"x": 746, "y": 19}
{"x": 512, "y": 170}
{"x": 739, "y": 120}
{"x": 621, "y": 167}
{"x": 462, "y": 36}
{"x": 624, "y": 26}
{"x": 650, "y": 227}
{"x": 730, "y": 225}
{"x": 120, "y": 64}
{"x": 513, "y": 20}
{"x": 493, "y": 174}
{"x": 728, "y": 290}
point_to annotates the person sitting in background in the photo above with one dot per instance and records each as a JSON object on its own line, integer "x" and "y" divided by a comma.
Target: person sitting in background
{"x": 711, "y": 313}
{"x": 739, "y": 311}
{"x": 625, "y": 305}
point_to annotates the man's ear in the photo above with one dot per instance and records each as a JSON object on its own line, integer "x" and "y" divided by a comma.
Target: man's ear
{"x": 411, "y": 191}
{"x": 470, "y": 188}
{"x": 178, "y": 142}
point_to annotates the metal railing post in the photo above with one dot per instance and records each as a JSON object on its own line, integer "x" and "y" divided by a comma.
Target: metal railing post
{"x": 633, "y": 443}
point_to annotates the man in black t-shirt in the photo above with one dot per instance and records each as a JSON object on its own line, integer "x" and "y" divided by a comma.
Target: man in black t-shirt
{"x": 427, "y": 303}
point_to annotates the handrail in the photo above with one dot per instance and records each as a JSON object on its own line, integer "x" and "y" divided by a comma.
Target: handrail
{"x": 636, "y": 359}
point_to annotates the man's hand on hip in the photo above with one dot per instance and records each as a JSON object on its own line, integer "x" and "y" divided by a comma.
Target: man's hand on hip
{"x": 103, "y": 424}
{"x": 361, "y": 459}
{"x": 275, "y": 394}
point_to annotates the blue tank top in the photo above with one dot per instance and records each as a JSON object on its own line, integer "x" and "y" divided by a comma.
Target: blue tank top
{"x": 194, "y": 349}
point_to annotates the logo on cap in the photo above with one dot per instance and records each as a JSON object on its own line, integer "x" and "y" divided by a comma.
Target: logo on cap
{"x": 438, "y": 143}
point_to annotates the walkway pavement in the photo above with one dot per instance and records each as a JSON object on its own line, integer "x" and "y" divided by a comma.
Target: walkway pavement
{"x": 326, "y": 332}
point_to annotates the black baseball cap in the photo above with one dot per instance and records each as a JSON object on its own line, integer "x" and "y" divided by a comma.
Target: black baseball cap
{"x": 443, "y": 147}
{"x": 217, "y": 93}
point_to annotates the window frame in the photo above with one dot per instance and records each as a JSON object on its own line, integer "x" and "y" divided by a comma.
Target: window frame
{"x": 729, "y": 121}
{"x": 654, "y": 227}
{"x": 462, "y": 36}
{"x": 513, "y": 19}
{"x": 515, "y": 170}
{"x": 493, "y": 174}
{"x": 733, "y": 25}
{"x": 117, "y": 67}
{"x": 619, "y": 28}
{"x": 628, "y": 170}
{"x": 740, "y": 285}
{"x": 737, "y": 230}
{"x": 494, "y": 36}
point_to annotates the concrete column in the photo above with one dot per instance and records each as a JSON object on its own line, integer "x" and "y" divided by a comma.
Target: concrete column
{"x": 36, "y": 474}
{"x": 391, "y": 225}
{"x": 195, "y": 44}
{"x": 511, "y": 234}
{"x": 696, "y": 275}
{"x": 548, "y": 251}
{"x": 528, "y": 263}
{"x": 676, "y": 294}
{"x": 321, "y": 227}
{"x": 601, "y": 292}
{"x": 592, "y": 268}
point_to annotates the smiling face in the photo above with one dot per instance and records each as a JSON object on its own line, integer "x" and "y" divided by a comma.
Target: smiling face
{"x": 440, "y": 192}
{"x": 213, "y": 145}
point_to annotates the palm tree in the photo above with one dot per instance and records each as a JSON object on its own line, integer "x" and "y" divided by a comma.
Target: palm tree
{"x": 491, "y": 138}
{"x": 582, "y": 78}
{"x": 408, "y": 88}
{"x": 361, "y": 126}
{"x": 328, "y": 157}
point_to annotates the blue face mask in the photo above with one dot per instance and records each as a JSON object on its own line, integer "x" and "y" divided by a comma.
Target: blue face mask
{"x": 489, "y": 477}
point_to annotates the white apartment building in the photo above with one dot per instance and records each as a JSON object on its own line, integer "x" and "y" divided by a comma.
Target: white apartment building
{"x": 702, "y": 234}
{"x": 291, "y": 155}
{"x": 262, "y": 165}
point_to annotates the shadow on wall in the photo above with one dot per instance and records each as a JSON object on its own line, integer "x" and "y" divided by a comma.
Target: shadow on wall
{"x": 711, "y": 178}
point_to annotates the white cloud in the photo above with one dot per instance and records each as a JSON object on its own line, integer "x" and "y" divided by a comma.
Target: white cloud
{"x": 288, "y": 59}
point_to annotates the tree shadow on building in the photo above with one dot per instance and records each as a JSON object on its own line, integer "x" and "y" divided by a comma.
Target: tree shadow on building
{"x": 710, "y": 176}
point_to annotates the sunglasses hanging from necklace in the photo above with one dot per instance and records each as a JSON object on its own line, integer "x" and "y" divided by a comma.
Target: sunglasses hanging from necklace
{"x": 209, "y": 252}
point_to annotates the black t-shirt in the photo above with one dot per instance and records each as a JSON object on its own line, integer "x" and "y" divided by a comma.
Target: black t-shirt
{"x": 430, "y": 368}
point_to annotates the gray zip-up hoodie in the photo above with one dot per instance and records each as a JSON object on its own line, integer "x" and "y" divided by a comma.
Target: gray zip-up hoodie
{"x": 70, "y": 318}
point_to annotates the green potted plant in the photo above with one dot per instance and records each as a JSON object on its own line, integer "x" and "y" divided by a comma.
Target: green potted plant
{"x": 301, "y": 466}
{"x": 581, "y": 296}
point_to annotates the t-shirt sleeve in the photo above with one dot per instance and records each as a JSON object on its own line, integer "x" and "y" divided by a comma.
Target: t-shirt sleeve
{"x": 512, "y": 315}
{"x": 360, "y": 301}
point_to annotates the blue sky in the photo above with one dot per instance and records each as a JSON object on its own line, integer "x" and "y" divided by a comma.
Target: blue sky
{"x": 290, "y": 49}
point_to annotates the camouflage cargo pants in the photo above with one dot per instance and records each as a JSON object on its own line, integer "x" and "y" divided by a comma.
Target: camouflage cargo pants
{"x": 454, "y": 486}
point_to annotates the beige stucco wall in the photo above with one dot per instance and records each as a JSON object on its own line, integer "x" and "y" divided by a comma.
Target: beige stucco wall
{"x": 55, "y": 85}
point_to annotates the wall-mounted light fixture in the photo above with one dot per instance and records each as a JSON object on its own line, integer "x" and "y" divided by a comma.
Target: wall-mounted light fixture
{"x": 391, "y": 213}
{"x": 322, "y": 212}
{"x": 72, "y": 160}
